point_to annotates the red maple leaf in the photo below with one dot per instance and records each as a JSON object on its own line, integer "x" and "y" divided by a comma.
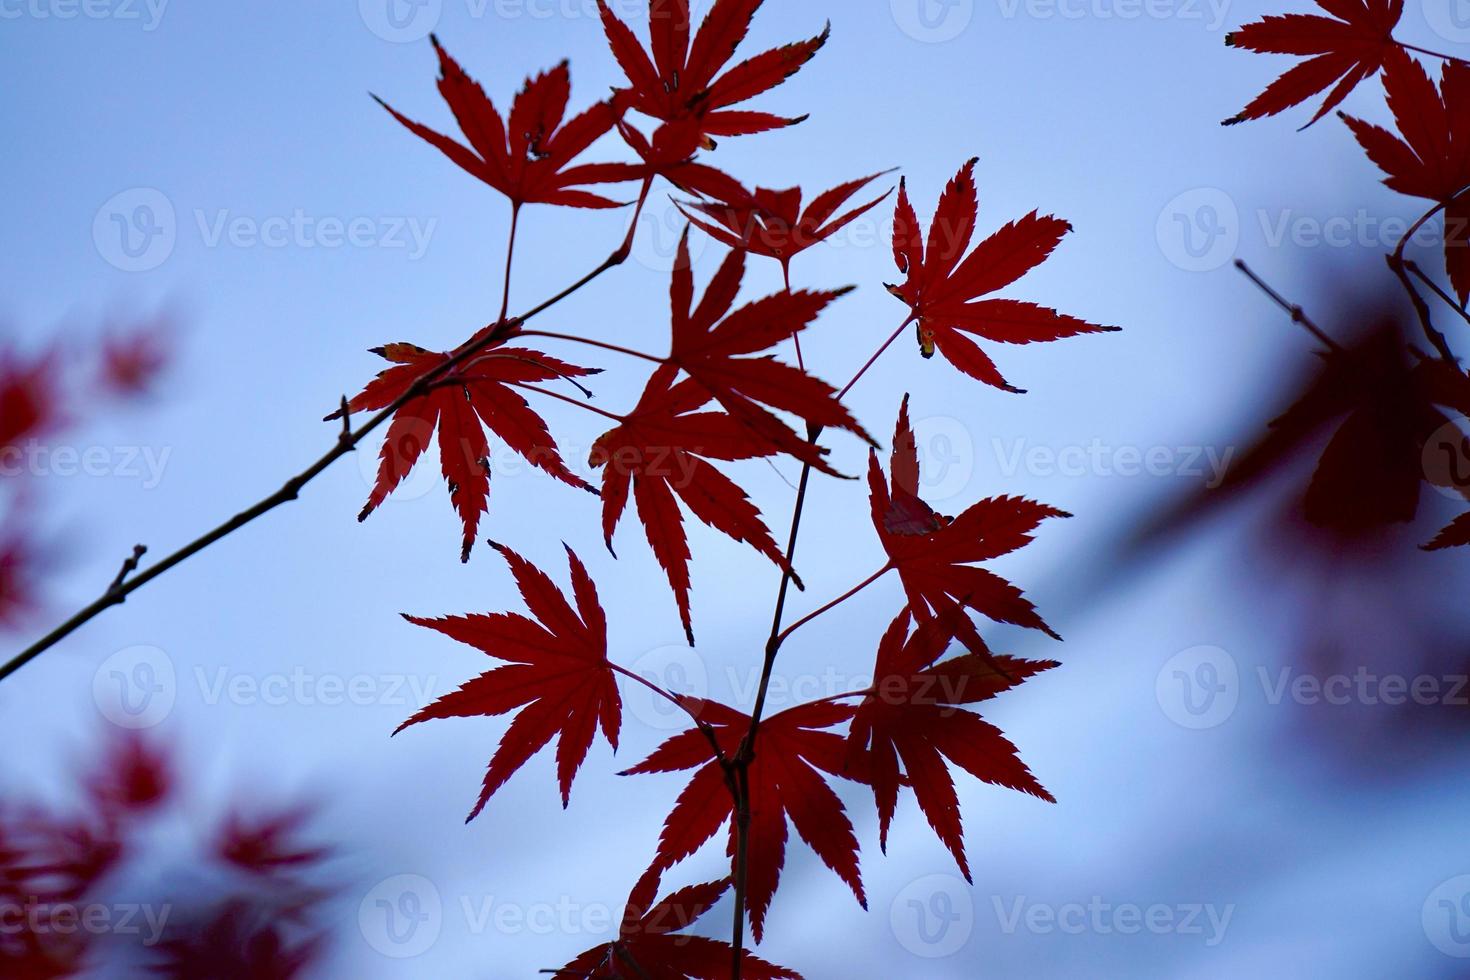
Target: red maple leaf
{"x": 1341, "y": 53}
{"x": 709, "y": 342}
{"x": 648, "y": 948}
{"x": 30, "y": 404}
{"x": 269, "y": 844}
{"x": 911, "y": 723}
{"x": 461, "y": 405}
{"x": 557, "y": 671}
{"x": 682, "y": 79}
{"x": 132, "y": 777}
{"x": 935, "y": 555}
{"x": 786, "y": 782}
{"x": 17, "y": 578}
{"x": 133, "y": 359}
{"x": 527, "y": 157}
{"x": 1432, "y": 159}
{"x": 941, "y": 290}
{"x": 772, "y": 223}
{"x": 671, "y": 154}
{"x": 656, "y": 454}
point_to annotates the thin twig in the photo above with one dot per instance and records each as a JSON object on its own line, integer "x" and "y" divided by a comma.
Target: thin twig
{"x": 1397, "y": 263}
{"x": 1438, "y": 290}
{"x": 347, "y": 442}
{"x": 739, "y": 774}
{"x": 1298, "y": 315}
{"x": 128, "y": 567}
{"x": 1421, "y": 309}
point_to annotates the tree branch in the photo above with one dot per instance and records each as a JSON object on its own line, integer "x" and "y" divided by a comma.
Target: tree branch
{"x": 347, "y": 442}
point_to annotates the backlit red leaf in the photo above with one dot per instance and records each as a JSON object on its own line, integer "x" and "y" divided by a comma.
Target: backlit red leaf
{"x": 787, "y": 784}
{"x": 944, "y": 286}
{"x": 557, "y": 675}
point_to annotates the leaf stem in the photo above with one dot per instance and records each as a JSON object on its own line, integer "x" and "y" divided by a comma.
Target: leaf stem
{"x": 796, "y": 337}
{"x": 552, "y": 394}
{"x": 1432, "y": 54}
{"x": 510, "y": 255}
{"x": 834, "y": 603}
{"x": 614, "y": 260}
{"x": 593, "y": 343}
{"x": 874, "y": 359}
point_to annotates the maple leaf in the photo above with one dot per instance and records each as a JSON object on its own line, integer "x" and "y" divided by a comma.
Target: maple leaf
{"x": 557, "y": 672}
{"x": 1432, "y": 158}
{"x": 671, "y": 154}
{"x": 648, "y": 947}
{"x": 935, "y": 555}
{"x": 941, "y": 289}
{"x": 461, "y": 405}
{"x": 30, "y": 404}
{"x": 133, "y": 360}
{"x": 682, "y": 78}
{"x": 709, "y": 341}
{"x": 526, "y": 157}
{"x": 1341, "y": 52}
{"x": 772, "y": 223}
{"x": 17, "y": 578}
{"x": 268, "y": 845}
{"x": 912, "y": 716}
{"x": 656, "y": 453}
{"x": 786, "y": 782}
{"x": 132, "y": 778}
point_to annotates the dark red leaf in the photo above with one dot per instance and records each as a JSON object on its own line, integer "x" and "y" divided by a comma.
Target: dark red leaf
{"x": 528, "y": 158}
{"x": 460, "y": 406}
{"x": 1341, "y": 52}
{"x": 659, "y": 453}
{"x": 786, "y": 784}
{"x": 649, "y": 946}
{"x": 935, "y": 555}
{"x": 910, "y": 730}
{"x": 943, "y": 292}
{"x": 771, "y": 223}
{"x": 682, "y": 81}
{"x": 710, "y": 341}
{"x": 557, "y": 675}
{"x": 1432, "y": 158}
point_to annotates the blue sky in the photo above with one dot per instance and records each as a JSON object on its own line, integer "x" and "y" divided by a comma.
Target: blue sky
{"x": 247, "y": 133}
